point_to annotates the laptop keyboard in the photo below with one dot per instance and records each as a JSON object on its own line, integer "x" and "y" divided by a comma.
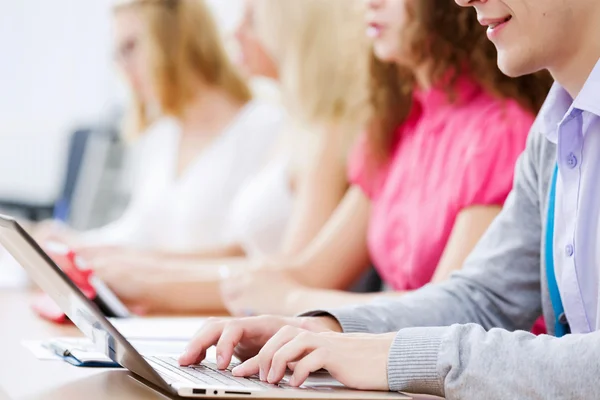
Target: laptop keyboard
{"x": 206, "y": 374}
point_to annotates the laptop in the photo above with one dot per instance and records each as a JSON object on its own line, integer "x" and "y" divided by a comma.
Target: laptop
{"x": 158, "y": 372}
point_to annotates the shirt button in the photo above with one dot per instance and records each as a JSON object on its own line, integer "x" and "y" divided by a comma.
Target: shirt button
{"x": 569, "y": 250}
{"x": 571, "y": 160}
{"x": 562, "y": 319}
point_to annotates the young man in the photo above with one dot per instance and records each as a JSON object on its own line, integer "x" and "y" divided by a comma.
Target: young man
{"x": 550, "y": 223}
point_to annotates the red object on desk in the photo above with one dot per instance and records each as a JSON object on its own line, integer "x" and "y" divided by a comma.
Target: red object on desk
{"x": 539, "y": 328}
{"x": 43, "y": 304}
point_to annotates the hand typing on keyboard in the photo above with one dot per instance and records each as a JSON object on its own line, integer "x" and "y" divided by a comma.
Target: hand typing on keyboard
{"x": 206, "y": 373}
{"x": 245, "y": 337}
{"x": 358, "y": 361}
{"x": 270, "y": 345}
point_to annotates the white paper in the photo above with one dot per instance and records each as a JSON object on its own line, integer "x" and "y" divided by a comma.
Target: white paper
{"x": 38, "y": 350}
{"x": 164, "y": 329}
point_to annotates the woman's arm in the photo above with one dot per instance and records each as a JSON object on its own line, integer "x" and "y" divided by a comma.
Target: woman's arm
{"x": 320, "y": 185}
{"x": 469, "y": 227}
{"x": 225, "y": 251}
{"x": 334, "y": 260}
{"x": 339, "y": 253}
{"x": 179, "y": 287}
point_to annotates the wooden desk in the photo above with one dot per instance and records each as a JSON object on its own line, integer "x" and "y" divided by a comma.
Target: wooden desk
{"x": 22, "y": 376}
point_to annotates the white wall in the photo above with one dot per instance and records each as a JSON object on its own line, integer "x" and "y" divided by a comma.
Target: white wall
{"x": 227, "y": 13}
{"x": 55, "y": 73}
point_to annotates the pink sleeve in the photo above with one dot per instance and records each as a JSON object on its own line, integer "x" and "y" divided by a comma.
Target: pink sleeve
{"x": 491, "y": 160}
{"x": 359, "y": 171}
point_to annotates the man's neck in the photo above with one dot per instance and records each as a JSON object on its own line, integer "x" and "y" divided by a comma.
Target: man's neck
{"x": 572, "y": 71}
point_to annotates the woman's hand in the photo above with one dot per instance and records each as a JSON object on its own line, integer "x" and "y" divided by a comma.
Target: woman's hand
{"x": 245, "y": 337}
{"x": 259, "y": 291}
{"x": 129, "y": 279}
{"x": 115, "y": 252}
{"x": 359, "y": 361}
{"x": 53, "y": 231}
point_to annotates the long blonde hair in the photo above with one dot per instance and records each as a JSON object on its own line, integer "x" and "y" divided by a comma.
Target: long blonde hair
{"x": 321, "y": 52}
{"x": 185, "y": 45}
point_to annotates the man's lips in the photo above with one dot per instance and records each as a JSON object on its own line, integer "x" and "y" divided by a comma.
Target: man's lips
{"x": 493, "y": 23}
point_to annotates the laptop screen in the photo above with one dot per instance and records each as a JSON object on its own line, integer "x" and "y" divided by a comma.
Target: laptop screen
{"x": 83, "y": 312}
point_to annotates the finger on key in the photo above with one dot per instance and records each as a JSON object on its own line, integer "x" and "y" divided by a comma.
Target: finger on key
{"x": 205, "y": 338}
{"x": 311, "y": 363}
{"x": 294, "y": 350}
{"x": 265, "y": 356}
{"x": 230, "y": 338}
{"x": 247, "y": 368}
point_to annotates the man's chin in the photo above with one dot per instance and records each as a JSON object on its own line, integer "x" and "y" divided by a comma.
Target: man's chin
{"x": 514, "y": 66}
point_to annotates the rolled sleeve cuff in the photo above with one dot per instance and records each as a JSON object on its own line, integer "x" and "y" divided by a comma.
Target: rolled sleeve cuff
{"x": 413, "y": 361}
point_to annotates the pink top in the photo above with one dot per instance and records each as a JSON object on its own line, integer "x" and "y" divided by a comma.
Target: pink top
{"x": 446, "y": 157}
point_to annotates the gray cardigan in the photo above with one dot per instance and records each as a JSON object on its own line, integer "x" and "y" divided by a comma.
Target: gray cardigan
{"x": 485, "y": 356}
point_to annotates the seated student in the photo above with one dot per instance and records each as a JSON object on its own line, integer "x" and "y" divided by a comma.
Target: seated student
{"x": 324, "y": 84}
{"x": 282, "y": 208}
{"x": 540, "y": 253}
{"x": 200, "y": 134}
{"x": 428, "y": 178}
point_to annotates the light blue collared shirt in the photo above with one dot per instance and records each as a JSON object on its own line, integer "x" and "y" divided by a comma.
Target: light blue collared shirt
{"x": 574, "y": 125}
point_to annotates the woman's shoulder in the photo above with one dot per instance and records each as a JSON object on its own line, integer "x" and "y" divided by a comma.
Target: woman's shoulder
{"x": 492, "y": 141}
{"x": 489, "y": 130}
{"x": 260, "y": 113}
{"x": 253, "y": 134}
{"x": 502, "y": 133}
{"x": 491, "y": 115}
{"x": 258, "y": 124}
{"x": 161, "y": 132}
{"x": 366, "y": 168}
{"x": 488, "y": 125}
{"x": 158, "y": 141}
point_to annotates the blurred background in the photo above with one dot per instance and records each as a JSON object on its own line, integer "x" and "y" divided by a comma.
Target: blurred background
{"x": 77, "y": 90}
{"x": 61, "y": 104}
{"x": 273, "y": 138}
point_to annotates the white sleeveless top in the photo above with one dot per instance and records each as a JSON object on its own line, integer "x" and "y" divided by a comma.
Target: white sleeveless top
{"x": 190, "y": 212}
{"x": 261, "y": 212}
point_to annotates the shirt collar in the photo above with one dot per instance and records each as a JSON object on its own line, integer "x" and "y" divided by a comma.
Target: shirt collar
{"x": 589, "y": 97}
{"x": 559, "y": 104}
